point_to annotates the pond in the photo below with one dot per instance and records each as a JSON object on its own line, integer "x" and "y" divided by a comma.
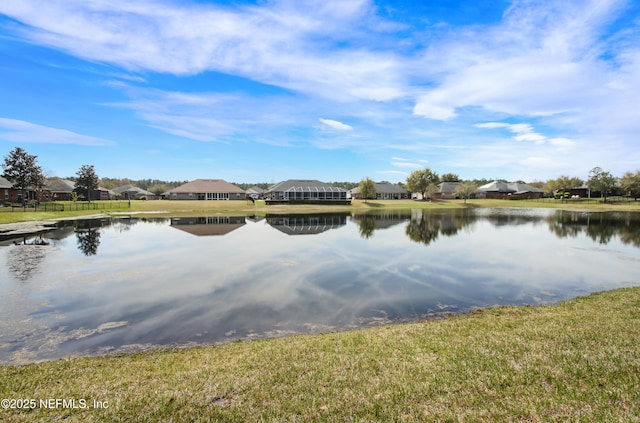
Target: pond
{"x": 126, "y": 284}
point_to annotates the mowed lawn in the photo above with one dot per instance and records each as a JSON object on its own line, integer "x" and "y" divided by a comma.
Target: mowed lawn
{"x": 168, "y": 208}
{"x": 576, "y": 361}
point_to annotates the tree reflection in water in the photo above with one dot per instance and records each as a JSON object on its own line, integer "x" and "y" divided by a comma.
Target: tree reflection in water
{"x": 426, "y": 226}
{"x": 24, "y": 259}
{"x": 88, "y": 236}
{"x": 367, "y": 226}
{"x": 600, "y": 227}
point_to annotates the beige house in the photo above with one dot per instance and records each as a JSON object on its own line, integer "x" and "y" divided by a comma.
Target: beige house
{"x": 207, "y": 189}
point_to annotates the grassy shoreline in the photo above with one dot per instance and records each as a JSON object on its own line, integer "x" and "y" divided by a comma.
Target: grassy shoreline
{"x": 174, "y": 208}
{"x": 575, "y": 361}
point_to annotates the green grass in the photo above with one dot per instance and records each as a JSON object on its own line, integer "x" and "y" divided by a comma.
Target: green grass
{"x": 576, "y": 361}
{"x": 171, "y": 208}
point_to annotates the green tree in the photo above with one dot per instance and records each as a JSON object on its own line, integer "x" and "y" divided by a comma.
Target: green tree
{"x": 449, "y": 177}
{"x": 630, "y": 184}
{"x": 159, "y": 189}
{"x": 87, "y": 180}
{"x": 367, "y": 189}
{"x": 22, "y": 170}
{"x": 465, "y": 190}
{"x": 432, "y": 188}
{"x": 562, "y": 184}
{"x": 422, "y": 181}
{"x": 602, "y": 181}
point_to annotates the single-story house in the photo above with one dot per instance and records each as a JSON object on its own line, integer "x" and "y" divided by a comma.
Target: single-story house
{"x": 305, "y": 190}
{"x": 446, "y": 190}
{"x": 58, "y": 189}
{"x": 54, "y": 189}
{"x": 8, "y": 194}
{"x": 207, "y": 189}
{"x": 130, "y": 192}
{"x": 509, "y": 191}
{"x": 384, "y": 191}
{"x": 582, "y": 192}
{"x": 255, "y": 192}
{"x": 100, "y": 193}
{"x": 105, "y": 194}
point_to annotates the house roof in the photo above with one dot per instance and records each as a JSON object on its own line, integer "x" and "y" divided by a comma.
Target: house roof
{"x": 59, "y": 185}
{"x": 5, "y": 183}
{"x": 447, "y": 187}
{"x": 131, "y": 188}
{"x": 508, "y": 187}
{"x": 304, "y": 185}
{"x": 207, "y": 185}
{"x": 384, "y": 187}
{"x": 255, "y": 190}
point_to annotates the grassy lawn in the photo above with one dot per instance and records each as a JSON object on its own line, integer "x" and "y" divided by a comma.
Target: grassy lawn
{"x": 169, "y": 208}
{"x": 576, "y": 361}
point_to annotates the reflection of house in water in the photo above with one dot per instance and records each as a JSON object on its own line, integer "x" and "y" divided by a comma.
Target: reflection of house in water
{"x": 309, "y": 224}
{"x": 208, "y": 226}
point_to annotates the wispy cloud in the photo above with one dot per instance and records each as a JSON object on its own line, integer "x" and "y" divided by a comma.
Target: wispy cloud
{"x": 334, "y": 124}
{"x": 408, "y": 165}
{"x": 393, "y": 172}
{"x": 20, "y": 131}
{"x": 561, "y": 62}
{"x": 243, "y": 40}
{"x": 526, "y": 132}
{"x": 568, "y": 71}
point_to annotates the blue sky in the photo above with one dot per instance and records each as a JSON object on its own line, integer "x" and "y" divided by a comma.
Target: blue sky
{"x": 336, "y": 90}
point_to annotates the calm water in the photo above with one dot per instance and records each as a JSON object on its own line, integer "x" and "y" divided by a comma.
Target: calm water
{"x": 126, "y": 284}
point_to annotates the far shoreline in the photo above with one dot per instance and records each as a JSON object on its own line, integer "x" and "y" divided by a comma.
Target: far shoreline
{"x": 18, "y": 223}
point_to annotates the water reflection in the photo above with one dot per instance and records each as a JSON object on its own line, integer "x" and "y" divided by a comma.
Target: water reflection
{"x": 123, "y": 284}
{"x": 600, "y": 227}
{"x": 307, "y": 224}
{"x": 425, "y": 226}
{"x": 208, "y": 226}
{"x": 384, "y": 219}
{"x": 88, "y": 234}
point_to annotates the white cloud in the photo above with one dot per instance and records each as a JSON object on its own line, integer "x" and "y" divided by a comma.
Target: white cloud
{"x": 244, "y": 40}
{"x": 566, "y": 66}
{"x": 492, "y": 125}
{"x": 406, "y": 164}
{"x": 541, "y": 162}
{"x": 392, "y": 172}
{"x": 562, "y": 62}
{"x": 431, "y": 108}
{"x": 21, "y": 131}
{"x": 562, "y": 142}
{"x": 334, "y": 124}
{"x": 526, "y": 132}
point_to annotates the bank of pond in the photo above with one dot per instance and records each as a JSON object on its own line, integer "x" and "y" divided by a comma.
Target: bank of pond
{"x": 97, "y": 286}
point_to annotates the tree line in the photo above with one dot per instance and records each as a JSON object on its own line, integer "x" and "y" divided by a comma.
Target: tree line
{"x": 426, "y": 183}
{"x": 23, "y": 171}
